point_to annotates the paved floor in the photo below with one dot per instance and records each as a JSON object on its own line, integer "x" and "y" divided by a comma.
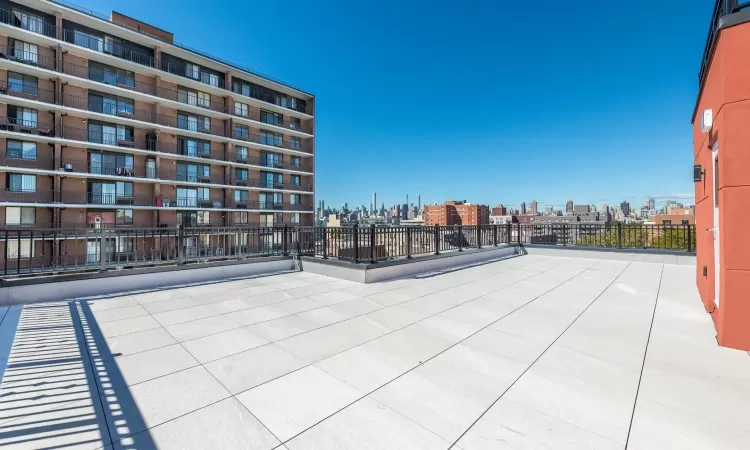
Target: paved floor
{"x": 532, "y": 352}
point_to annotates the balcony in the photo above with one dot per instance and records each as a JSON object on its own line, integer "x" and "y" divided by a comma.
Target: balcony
{"x": 39, "y": 128}
{"x": 117, "y": 50}
{"x": 109, "y": 170}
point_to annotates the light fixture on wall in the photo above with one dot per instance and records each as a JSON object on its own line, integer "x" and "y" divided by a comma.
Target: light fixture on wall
{"x": 698, "y": 173}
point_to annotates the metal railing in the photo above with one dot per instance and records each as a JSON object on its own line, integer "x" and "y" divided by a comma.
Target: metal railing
{"x": 54, "y": 250}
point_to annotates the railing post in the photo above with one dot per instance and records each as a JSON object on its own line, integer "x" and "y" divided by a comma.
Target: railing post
{"x": 180, "y": 244}
{"x": 437, "y": 239}
{"x": 460, "y": 239}
{"x": 508, "y": 237}
{"x": 372, "y": 243}
{"x": 325, "y": 242}
{"x": 494, "y": 234}
{"x": 102, "y": 245}
{"x": 689, "y": 237}
{"x": 518, "y": 228}
{"x": 619, "y": 235}
{"x": 284, "y": 246}
{"x": 408, "y": 242}
{"x": 479, "y": 236}
{"x": 356, "y": 243}
{"x": 565, "y": 235}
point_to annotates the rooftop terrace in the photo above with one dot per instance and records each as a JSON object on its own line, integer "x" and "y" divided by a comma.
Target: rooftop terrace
{"x": 535, "y": 351}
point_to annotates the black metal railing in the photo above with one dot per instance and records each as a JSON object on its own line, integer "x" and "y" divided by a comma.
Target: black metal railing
{"x": 53, "y": 250}
{"x": 28, "y": 23}
{"x": 721, "y": 9}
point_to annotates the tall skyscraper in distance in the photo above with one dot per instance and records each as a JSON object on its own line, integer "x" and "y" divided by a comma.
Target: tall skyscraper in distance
{"x": 533, "y": 208}
{"x": 523, "y": 208}
{"x": 374, "y": 203}
{"x": 419, "y": 202}
{"x": 651, "y": 203}
{"x": 405, "y": 210}
{"x": 569, "y": 207}
{"x": 625, "y": 207}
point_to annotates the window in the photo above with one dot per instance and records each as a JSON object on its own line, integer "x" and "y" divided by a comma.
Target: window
{"x": 124, "y": 217}
{"x": 21, "y": 183}
{"x": 124, "y": 189}
{"x": 242, "y": 88}
{"x": 296, "y": 162}
{"x": 270, "y": 138}
{"x": 294, "y": 218}
{"x": 109, "y": 44}
{"x": 25, "y": 51}
{"x": 295, "y": 142}
{"x": 296, "y": 180}
{"x": 240, "y": 196}
{"x": 286, "y": 102}
{"x": 202, "y": 217}
{"x": 241, "y": 131}
{"x": 111, "y": 75}
{"x": 102, "y": 193}
{"x": 295, "y": 199}
{"x": 241, "y": 153}
{"x": 110, "y": 134}
{"x": 192, "y": 71}
{"x": 21, "y": 150}
{"x": 24, "y": 84}
{"x": 295, "y": 123}
{"x": 193, "y": 123}
{"x": 88, "y": 40}
{"x": 685, "y": 222}
{"x": 241, "y": 109}
{"x": 204, "y": 99}
{"x": 271, "y": 118}
{"x": 204, "y": 194}
{"x": 26, "y": 117}
{"x": 20, "y": 216}
{"x": 193, "y": 147}
{"x": 667, "y": 222}
{"x": 28, "y": 21}
{"x": 124, "y": 245}
{"x": 240, "y": 217}
{"x": 266, "y": 220}
{"x": 271, "y": 180}
{"x": 240, "y": 174}
{"x": 111, "y": 105}
{"x": 271, "y": 159}
{"x": 20, "y": 249}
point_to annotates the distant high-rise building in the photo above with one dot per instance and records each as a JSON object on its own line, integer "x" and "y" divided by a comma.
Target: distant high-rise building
{"x": 419, "y": 202}
{"x": 625, "y": 207}
{"x": 651, "y": 204}
{"x": 592, "y": 207}
{"x": 605, "y": 208}
{"x": 374, "y": 203}
{"x": 534, "y": 211}
{"x": 523, "y": 208}
{"x": 569, "y": 207}
{"x": 405, "y": 211}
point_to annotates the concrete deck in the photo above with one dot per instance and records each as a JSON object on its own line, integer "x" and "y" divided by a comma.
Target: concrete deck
{"x": 531, "y": 352}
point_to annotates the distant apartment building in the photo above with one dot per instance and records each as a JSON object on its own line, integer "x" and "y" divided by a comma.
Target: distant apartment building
{"x": 110, "y": 123}
{"x": 499, "y": 210}
{"x": 456, "y": 213}
{"x": 533, "y": 208}
{"x": 569, "y": 207}
{"x": 676, "y": 216}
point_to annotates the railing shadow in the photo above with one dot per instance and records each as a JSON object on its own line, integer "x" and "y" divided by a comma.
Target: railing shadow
{"x": 55, "y": 371}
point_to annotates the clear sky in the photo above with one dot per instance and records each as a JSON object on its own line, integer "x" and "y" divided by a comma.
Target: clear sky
{"x": 487, "y": 101}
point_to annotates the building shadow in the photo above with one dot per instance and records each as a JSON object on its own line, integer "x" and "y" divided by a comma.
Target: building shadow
{"x": 55, "y": 369}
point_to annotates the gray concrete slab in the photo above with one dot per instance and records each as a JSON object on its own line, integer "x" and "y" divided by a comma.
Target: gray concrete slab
{"x": 556, "y": 350}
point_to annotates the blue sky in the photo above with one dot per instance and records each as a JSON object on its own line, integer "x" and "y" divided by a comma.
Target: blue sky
{"x": 487, "y": 101}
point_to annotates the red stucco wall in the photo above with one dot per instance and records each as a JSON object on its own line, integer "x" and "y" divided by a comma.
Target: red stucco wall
{"x": 727, "y": 92}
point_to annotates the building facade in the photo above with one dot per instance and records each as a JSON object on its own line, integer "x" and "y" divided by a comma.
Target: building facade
{"x": 456, "y": 213}
{"x": 109, "y": 123}
{"x": 722, "y": 191}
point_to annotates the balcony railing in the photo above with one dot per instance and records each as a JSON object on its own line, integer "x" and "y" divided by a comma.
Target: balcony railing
{"x": 27, "y": 126}
{"x": 27, "y": 23}
{"x": 110, "y": 48}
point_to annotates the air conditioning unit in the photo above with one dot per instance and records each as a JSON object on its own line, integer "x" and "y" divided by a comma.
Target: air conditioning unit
{"x": 97, "y": 222}
{"x": 68, "y": 167}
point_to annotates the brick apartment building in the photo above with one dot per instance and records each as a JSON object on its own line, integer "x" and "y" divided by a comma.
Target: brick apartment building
{"x": 676, "y": 216}
{"x": 111, "y": 123}
{"x": 722, "y": 201}
{"x": 456, "y": 213}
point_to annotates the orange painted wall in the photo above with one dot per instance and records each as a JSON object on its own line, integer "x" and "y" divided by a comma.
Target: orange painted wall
{"x": 727, "y": 92}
